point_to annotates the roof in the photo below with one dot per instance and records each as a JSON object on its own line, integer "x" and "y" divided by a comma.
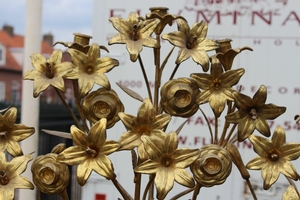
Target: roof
{"x": 17, "y": 41}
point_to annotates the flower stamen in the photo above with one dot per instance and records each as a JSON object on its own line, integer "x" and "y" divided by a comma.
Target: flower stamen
{"x": 3, "y": 178}
{"x": 50, "y": 69}
{"x": 253, "y": 113}
{"x": 3, "y": 134}
{"x": 90, "y": 151}
{"x": 135, "y": 29}
{"x": 191, "y": 42}
{"x": 274, "y": 156}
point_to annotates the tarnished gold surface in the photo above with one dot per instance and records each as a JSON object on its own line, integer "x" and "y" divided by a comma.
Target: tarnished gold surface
{"x": 146, "y": 136}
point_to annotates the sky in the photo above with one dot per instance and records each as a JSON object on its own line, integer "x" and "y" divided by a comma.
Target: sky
{"x": 61, "y": 18}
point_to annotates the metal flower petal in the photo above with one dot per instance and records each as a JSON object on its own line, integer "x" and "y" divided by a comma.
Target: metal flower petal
{"x": 103, "y": 103}
{"x": 90, "y": 154}
{"x": 178, "y": 97}
{"x": 11, "y": 133}
{"x": 10, "y": 178}
{"x": 192, "y": 42}
{"x": 213, "y": 166}
{"x": 253, "y": 113}
{"x": 134, "y": 33}
{"x": 48, "y": 72}
{"x": 165, "y": 160}
{"x": 273, "y": 158}
{"x": 50, "y": 176}
{"x": 217, "y": 86}
{"x": 90, "y": 68}
{"x": 146, "y": 123}
{"x": 291, "y": 193}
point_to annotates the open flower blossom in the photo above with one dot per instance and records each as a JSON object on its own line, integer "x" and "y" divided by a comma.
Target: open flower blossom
{"x": 252, "y": 114}
{"x": 167, "y": 162}
{"x": 10, "y": 178}
{"x": 217, "y": 86}
{"x": 90, "y": 68}
{"x": 192, "y": 42}
{"x": 274, "y": 157}
{"x": 48, "y": 72}
{"x": 11, "y": 133}
{"x": 146, "y": 123}
{"x": 90, "y": 152}
{"x": 134, "y": 33}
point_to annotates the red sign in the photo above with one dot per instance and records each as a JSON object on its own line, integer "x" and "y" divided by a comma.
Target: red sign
{"x": 100, "y": 196}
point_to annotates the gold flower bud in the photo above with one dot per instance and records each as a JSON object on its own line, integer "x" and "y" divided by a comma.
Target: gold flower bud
{"x": 178, "y": 97}
{"x": 50, "y": 176}
{"x": 226, "y": 54}
{"x": 103, "y": 103}
{"x": 212, "y": 167}
{"x": 81, "y": 42}
{"x": 165, "y": 18}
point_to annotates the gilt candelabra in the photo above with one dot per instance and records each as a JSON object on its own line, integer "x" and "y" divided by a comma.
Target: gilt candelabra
{"x": 154, "y": 148}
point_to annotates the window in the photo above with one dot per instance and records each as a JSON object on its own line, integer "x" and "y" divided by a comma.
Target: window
{"x": 2, "y": 54}
{"x": 2, "y": 91}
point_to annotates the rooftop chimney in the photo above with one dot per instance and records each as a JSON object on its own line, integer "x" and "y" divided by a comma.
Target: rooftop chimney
{"x": 48, "y": 38}
{"x": 8, "y": 29}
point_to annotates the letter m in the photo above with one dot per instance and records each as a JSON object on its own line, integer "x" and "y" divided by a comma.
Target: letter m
{"x": 208, "y": 16}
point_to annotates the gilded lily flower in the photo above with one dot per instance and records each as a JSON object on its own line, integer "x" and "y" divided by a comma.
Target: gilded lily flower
{"x": 167, "y": 162}
{"x": 146, "y": 123}
{"x": 103, "y": 103}
{"x": 226, "y": 54}
{"x": 178, "y": 97}
{"x": 134, "y": 33}
{"x": 50, "y": 176}
{"x": 165, "y": 18}
{"x": 253, "y": 113}
{"x": 192, "y": 42}
{"x": 274, "y": 157}
{"x": 48, "y": 72}
{"x": 11, "y": 133}
{"x": 10, "y": 178}
{"x": 217, "y": 86}
{"x": 90, "y": 68}
{"x": 212, "y": 167}
{"x": 90, "y": 152}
